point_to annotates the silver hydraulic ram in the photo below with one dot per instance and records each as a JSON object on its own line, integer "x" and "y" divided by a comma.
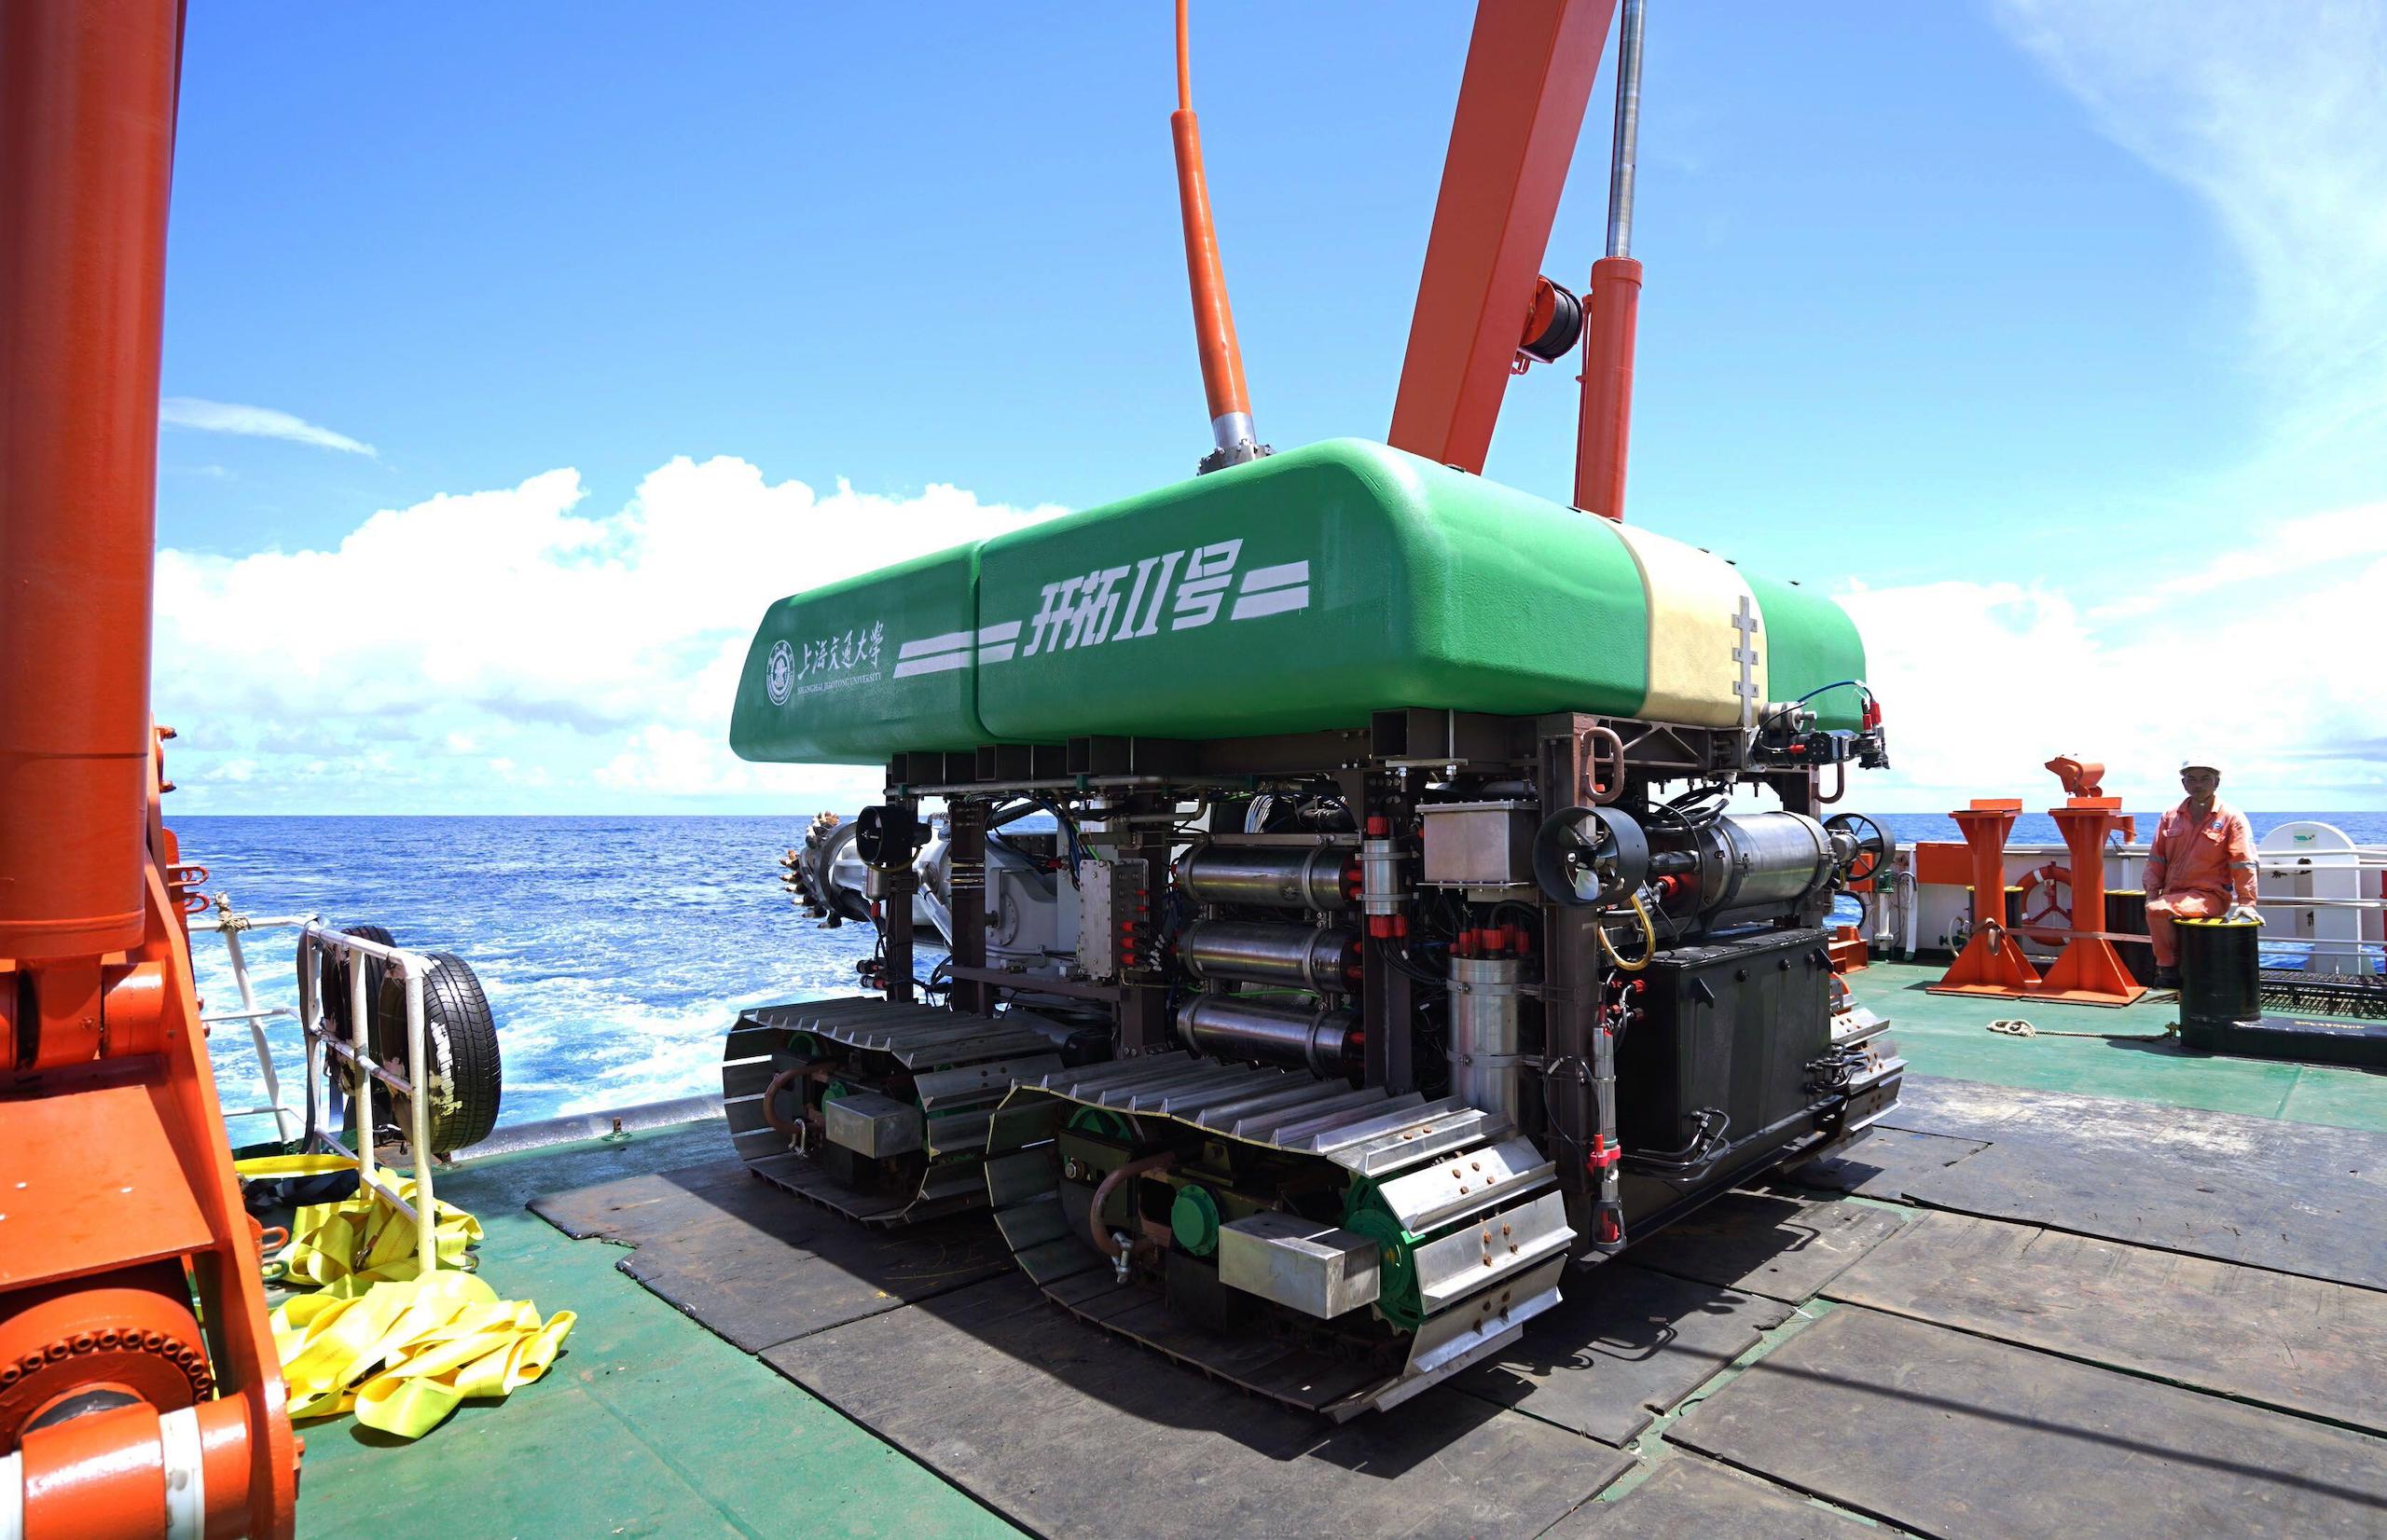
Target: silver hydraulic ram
{"x": 1324, "y": 1042}
{"x": 1316, "y": 877}
{"x": 1325, "y": 962}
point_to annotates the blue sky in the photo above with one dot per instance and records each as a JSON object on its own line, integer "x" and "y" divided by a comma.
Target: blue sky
{"x": 2051, "y": 336}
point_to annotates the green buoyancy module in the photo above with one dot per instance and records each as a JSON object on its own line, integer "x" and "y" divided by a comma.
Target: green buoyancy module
{"x": 1297, "y": 593}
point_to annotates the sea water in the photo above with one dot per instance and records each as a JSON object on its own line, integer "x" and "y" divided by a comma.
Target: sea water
{"x": 615, "y": 951}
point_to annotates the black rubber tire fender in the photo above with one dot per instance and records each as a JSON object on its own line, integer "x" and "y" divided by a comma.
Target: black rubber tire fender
{"x": 332, "y": 979}
{"x": 460, "y": 1045}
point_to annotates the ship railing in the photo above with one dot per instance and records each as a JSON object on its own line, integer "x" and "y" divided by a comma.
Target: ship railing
{"x": 2333, "y": 934}
{"x": 323, "y": 1044}
{"x": 2348, "y": 943}
{"x": 288, "y": 1122}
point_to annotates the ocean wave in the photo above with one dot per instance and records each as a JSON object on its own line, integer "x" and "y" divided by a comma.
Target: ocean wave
{"x": 598, "y": 1003}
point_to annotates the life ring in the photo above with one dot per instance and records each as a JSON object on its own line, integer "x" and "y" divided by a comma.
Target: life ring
{"x": 2054, "y": 875}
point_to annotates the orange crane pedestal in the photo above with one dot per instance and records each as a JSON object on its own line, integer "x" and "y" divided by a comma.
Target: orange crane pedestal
{"x": 1992, "y": 962}
{"x": 140, "y": 1393}
{"x": 2090, "y": 972}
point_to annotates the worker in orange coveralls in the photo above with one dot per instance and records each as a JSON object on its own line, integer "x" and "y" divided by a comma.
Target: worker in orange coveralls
{"x": 2202, "y": 866}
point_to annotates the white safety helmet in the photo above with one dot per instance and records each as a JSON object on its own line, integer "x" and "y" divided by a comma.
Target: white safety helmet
{"x": 2194, "y": 764}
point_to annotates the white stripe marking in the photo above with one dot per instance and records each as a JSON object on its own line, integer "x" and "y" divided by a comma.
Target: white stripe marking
{"x": 944, "y": 643}
{"x": 1000, "y": 653}
{"x": 1007, "y": 631}
{"x": 936, "y": 664}
{"x": 1260, "y": 578}
{"x": 1274, "y": 602}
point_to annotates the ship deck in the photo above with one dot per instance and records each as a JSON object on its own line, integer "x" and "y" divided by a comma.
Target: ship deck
{"x": 2090, "y": 1284}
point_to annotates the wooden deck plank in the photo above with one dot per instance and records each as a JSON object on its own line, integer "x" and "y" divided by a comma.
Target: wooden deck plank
{"x": 1623, "y": 1345}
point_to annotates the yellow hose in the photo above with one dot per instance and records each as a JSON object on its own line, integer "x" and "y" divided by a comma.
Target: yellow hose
{"x": 1649, "y": 937}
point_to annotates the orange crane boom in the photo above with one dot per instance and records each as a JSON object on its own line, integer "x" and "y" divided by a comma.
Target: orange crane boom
{"x": 1484, "y": 309}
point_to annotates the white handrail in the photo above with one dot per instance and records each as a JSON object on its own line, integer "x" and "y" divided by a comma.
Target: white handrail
{"x": 229, "y": 925}
{"x": 323, "y": 1045}
{"x": 413, "y": 967}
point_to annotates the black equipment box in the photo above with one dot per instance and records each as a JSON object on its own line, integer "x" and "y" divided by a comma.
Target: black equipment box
{"x": 1731, "y": 1026}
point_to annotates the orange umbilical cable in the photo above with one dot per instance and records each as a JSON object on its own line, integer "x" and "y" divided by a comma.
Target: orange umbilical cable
{"x": 1213, "y": 319}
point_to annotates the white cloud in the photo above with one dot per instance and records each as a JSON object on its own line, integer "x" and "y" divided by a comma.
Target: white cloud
{"x": 2255, "y": 644}
{"x": 2274, "y": 113}
{"x": 591, "y": 656}
{"x": 219, "y": 416}
{"x": 1982, "y": 682}
{"x": 2290, "y": 549}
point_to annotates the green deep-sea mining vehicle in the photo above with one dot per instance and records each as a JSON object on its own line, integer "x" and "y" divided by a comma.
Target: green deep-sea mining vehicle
{"x": 1386, "y": 952}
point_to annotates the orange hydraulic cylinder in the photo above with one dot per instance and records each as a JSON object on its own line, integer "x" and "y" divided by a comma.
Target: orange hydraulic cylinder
{"x": 87, "y": 139}
{"x": 1606, "y": 428}
{"x": 113, "y": 1475}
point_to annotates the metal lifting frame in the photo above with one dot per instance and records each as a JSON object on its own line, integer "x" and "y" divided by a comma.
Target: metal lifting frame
{"x": 323, "y": 1045}
{"x": 357, "y": 1052}
{"x": 287, "y": 1120}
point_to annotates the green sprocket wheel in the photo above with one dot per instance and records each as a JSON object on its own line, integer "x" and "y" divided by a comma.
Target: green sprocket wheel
{"x": 1365, "y": 1211}
{"x": 1104, "y": 1124}
{"x": 1194, "y": 1219}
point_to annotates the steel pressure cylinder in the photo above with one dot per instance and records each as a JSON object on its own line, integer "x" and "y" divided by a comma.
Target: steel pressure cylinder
{"x": 86, "y": 141}
{"x": 1487, "y": 1035}
{"x": 1763, "y": 860}
{"x": 1267, "y": 876}
{"x": 1325, "y": 1042}
{"x": 1297, "y": 955}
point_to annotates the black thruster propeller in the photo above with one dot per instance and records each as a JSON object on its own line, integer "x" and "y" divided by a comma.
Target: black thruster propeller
{"x": 1859, "y": 845}
{"x": 1590, "y": 857}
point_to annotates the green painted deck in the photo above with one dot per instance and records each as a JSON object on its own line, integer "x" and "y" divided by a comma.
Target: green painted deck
{"x": 1949, "y": 1035}
{"x": 649, "y": 1425}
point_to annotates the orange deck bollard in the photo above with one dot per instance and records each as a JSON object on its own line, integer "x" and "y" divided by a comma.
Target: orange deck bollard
{"x": 2090, "y": 972}
{"x": 1992, "y": 962}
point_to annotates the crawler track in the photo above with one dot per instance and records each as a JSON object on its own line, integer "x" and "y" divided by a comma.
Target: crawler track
{"x": 1470, "y": 1228}
{"x": 782, "y": 1063}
